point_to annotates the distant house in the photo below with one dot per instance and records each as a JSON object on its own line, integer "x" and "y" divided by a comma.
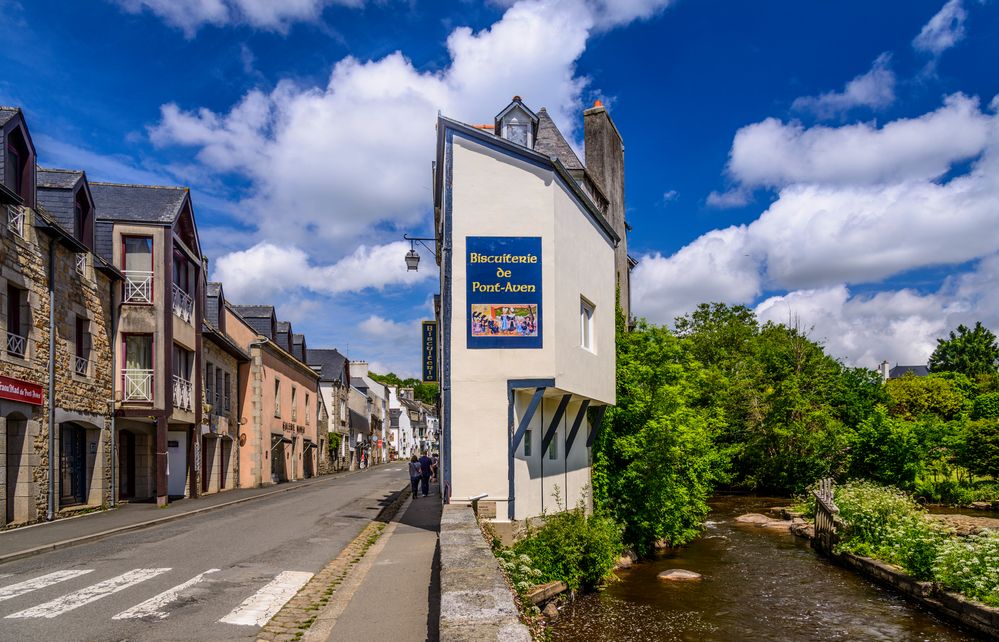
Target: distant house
{"x": 900, "y": 371}
{"x": 334, "y": 385}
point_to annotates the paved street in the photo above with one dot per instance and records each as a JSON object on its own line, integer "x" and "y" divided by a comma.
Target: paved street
{"x": 216, "y": 576}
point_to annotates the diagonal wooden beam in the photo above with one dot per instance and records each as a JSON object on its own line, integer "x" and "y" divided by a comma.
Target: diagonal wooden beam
{"x": 525, "y": 421}
{"x": 598, "y": 420}
{"x": 576, "y": 423}
{"x": 553, "y": 426}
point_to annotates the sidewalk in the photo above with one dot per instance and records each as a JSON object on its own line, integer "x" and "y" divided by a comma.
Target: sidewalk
{"x": 398, "y": 595}
{"x": 38, "y": 538}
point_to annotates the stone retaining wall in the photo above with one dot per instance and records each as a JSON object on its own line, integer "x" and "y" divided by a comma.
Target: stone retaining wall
{"x": 476, "y": 601}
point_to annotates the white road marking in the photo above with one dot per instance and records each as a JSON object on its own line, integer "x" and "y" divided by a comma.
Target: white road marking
{"x": 260, "y": 607}
{"x": 67, "y": 603}
{"x": 28, "y": 586}
{"x": 152, "y": 607}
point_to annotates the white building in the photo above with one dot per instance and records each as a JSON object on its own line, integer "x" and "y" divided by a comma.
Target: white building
{"x": 377, "y": 410}
{"x": 527, "y": 262}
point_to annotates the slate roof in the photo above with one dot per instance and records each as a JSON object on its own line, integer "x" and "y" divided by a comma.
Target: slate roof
{"x": 359, "y": 383}
{"x": 901, "y": 371}
{"x": 248, "y": 311}
{"x": 550, "y": 142}
{"x": 213, "y": 289}
{"x": 7, "y": 113}
{"x": 104, "y": 240}
{"x": 57, "y": 178}
{"x": 141, "y": 203}
{"x": 328, "y": 361}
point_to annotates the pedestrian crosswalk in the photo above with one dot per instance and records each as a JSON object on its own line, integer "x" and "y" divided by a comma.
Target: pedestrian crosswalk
{"x": 255, "y": 610}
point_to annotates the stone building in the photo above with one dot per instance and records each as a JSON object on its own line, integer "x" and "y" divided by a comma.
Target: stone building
{"x": 278, "y": 439}
{"x": 334, "y": 385}
{"x": 56, "y": 306}
{"x": 150, "y": 234}
{"x": 220, "y": 419}
{"x": 530, "y": 259}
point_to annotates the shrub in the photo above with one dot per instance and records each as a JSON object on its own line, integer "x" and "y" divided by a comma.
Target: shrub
{"x": 981, "y": 455}
{"x": 886, "y": 524}
{"x": 985, "y": 406}
{"x": 886, "y": 450}
{"x": 971, "y": 566}
{"x": 519, "y": 569}
{"x": 573, "y": 547}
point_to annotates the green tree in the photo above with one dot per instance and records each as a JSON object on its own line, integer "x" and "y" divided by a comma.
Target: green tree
{"x": 912, "y": 397}
{"x": 859, "y": 392}
{"x": 886, "y": 450}
{"x": 970, "y": 352}
{"x": 981, "y": 454}
{"x": 655, "y": 461}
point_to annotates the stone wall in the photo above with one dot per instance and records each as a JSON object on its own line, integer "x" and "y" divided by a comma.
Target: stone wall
{"x": 476, "y": 601}
{"x": 80, "y": 398}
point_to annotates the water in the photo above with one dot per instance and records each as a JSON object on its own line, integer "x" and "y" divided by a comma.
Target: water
{"x": 758, "y": 585}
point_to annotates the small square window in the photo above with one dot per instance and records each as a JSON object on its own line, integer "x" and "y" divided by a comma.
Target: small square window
{"x": 586, "y": 310}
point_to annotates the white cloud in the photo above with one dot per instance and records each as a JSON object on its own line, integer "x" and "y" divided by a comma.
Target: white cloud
{"x": 901, "y": 326}
{"x": 328, "y": 164}
{"x": 274, "y": 15}
{"x": 875, "y": 89}
{"x": 736, "y": 197}
{"x": 773, "y": 154}
{"x": 266, "y": 270}
{"x": 608, "y": 14}
{"x": 829, "y": 227}
{"x": 944, "y": 30}
{"x": 669, "y": 196}
{"x": 381, "y": 327}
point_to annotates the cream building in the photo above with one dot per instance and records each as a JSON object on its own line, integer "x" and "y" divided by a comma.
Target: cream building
{"x": 528, "y": 278}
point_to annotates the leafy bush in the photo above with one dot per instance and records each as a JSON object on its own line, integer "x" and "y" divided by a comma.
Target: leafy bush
{"x": 985, "y": 406}
{"x": 886, "y": 524}
{"x": 971, "y": 566}
{"x": 572, "y": 547}
{"x": 981, "y": 455}
{"x": 886, "y": 450}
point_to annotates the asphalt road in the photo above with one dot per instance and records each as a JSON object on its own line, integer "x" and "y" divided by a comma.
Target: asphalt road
{"x": 214, "y": 576}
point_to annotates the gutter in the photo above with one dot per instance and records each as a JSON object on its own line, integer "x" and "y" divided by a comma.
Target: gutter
{"x": 50, "y": 508}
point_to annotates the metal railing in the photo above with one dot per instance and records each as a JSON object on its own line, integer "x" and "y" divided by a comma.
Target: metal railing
{"x": 80, "y": 364}
{"x": 138, "y": 286}
{"x": 15, "y": 219}
{"x": 138, "y": 385}
{"x": 182, "y": 393}
{"x": 81, "y": 263}
{"x": 183, "y": 305}
{"x": 16, "y": 344}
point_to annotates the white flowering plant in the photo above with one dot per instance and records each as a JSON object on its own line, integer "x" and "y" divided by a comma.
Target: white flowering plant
{"x": 971, "y": 566}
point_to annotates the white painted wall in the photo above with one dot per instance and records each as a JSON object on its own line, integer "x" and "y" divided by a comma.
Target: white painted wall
{"x": 494, "y": 194}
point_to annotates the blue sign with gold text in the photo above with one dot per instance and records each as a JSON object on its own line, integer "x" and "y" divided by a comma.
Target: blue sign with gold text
{"x": 430, "y": 352}
{"x": 503, "y": 275}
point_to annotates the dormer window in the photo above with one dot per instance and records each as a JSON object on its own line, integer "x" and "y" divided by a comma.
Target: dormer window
{"x": 517, "y": 123}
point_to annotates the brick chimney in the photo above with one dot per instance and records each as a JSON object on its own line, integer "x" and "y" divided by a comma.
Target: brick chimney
{"x": 604, "y": 153}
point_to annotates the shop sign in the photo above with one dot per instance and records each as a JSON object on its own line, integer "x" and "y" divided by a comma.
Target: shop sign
{"x": 430, "y": 352}
{"x": 17, "y": 390}
{"x": 503, "y": 275}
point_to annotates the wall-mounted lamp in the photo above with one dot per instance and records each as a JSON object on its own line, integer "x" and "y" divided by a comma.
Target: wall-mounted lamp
{"x": 412, "y": 256}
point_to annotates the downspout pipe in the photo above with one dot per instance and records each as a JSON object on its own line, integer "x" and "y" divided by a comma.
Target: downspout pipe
{"x": 115, "y": 312}
{"x": 50, "y": 509}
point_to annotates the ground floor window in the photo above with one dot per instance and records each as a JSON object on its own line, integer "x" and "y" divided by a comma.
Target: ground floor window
{"x": 72, "y": 464}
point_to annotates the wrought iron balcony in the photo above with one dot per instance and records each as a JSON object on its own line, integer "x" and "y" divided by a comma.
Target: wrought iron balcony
{"x": 80, "y": 365}
{"x": 138, "y": 385}
{"x": 15, "y": 219}
{"x": 16, "y": 344}
{"x": 182, "y": 393}
{"x": 138, "y": 286}
{"x": 183, "y": 305}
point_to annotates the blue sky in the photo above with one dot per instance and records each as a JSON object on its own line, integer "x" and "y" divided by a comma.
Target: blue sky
{"x": 833, "y": 163}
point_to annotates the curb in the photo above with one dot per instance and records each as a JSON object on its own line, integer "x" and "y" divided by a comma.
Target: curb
{"x": 93, "y": 537}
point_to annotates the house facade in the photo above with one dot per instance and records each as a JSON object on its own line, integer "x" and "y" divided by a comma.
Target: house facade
{"x": 223, "y": 359}
{"x": 149, "y": 234}
{"x": 278, "y": 438}
{"x": 334, "y": 386}
{"x": 57, "y": 303}
{"x": 528, "y": 260}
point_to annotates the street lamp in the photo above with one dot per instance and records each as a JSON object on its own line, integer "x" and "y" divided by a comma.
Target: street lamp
{"x": 412, "y": 256}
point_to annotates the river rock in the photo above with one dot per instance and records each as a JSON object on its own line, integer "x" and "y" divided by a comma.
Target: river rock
{"x": 624, "y": 561}
{"x": 753, "y": 518}
{"x": 550, "y": 611}
{"x": 679, "y": 575}
{"x": 778, "y": 524}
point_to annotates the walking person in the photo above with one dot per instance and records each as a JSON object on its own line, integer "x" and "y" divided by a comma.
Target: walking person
{"x": 415, "y": 474}
{"x": 425, "y": 467}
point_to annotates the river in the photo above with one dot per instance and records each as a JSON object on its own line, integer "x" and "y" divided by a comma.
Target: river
{"x": 758, "y": 585}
